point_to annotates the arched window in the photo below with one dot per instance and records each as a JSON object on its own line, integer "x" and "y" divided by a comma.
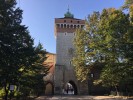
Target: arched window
{"x": 64, "y": 25}
{"x": 58, "y": 25}
{"x": 67, "y": 26}
{"x": 61, "y": 25}
{"x": 74, "y": 26}
{"x": 71, "y": 26}
{"x": 78, "y": 26}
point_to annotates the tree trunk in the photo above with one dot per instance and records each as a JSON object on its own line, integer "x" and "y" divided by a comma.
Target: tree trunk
{"x": 126, "y": 90}
{"x": 6, "y": 91}
{"x": 117, "y": 92}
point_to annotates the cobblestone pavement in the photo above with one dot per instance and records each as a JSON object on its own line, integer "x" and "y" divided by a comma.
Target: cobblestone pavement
{"x": 83, "y": 98}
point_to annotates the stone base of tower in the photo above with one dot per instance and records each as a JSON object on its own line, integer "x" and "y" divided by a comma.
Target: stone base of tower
{"x": 58, "y": 91}
{"x": 82, "y": 89}
{"x": 58, "y": 79}
{"x": 63, "y": 76}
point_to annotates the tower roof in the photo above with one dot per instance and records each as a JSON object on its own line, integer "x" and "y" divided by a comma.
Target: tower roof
{"x": 68, "y": 14}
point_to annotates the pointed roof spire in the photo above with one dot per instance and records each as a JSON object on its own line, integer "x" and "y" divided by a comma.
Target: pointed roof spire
{"x": 68, "y": 8}
{"x": 68, "y": 14}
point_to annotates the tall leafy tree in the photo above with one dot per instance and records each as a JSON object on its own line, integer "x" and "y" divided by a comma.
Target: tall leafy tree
{"x": 15, "y": 43}
{"x": 113, "y": 30}
{"x": 84, "y": 56}
{"x": 108, "y": 36}
{"x": 18, "y": 56}
{"x": 80, "y": 55}
{"x": 33, "y": 77}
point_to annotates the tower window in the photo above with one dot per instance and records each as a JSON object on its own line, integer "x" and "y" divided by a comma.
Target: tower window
{"x": 71, "y": 26}
{"x": 64, "y": 20}
{"x": 64, "y": 25}
{"x": 70, "y": 51}
{"x": 61, "y": 25}
{"x": 74, "y": 26}
{"x": 67, "y": 26}
{"x": 78, "y": 21}
{"x": 71, "y": 21}
{"x": 58, "y": 25}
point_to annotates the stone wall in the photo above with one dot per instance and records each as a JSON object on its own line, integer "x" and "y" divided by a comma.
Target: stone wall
{"x": 64, "y": 72}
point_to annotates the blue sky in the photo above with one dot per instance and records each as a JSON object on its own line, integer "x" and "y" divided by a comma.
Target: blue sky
{"x": 39, "y": 15}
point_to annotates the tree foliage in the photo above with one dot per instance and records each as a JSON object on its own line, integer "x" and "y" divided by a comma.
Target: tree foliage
{"x": 110, "y": 43}
{"x": 80, "y": 57}
{"x": 33, "y": 77}
{"x": 19, "y": 59}
{"x": 127, "y": 4}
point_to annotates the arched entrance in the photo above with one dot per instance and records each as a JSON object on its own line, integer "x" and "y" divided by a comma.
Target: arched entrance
{"x": 70, "y": 88}
{"x": 49, "y": 90}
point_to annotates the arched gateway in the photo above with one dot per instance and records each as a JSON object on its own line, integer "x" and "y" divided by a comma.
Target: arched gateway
{"x": 49, "y": 88}
{"x": 64, "y": 72}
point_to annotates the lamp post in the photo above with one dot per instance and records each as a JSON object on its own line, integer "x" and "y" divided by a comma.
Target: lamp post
{"x": 12, "y": 87}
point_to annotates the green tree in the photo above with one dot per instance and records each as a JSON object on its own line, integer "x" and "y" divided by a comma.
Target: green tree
{"x": 84, "y": 57}
{"x": 31, "y": 82}
{"x": 112, "y": 29}
{"x": 107, "y": 38}
{"x": 80, "y": 55}
{"x": 18, "y": 56}
{"x": 127, "y": 4}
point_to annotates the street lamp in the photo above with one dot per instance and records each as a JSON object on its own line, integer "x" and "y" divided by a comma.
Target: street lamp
{"x": 11, "y": 88}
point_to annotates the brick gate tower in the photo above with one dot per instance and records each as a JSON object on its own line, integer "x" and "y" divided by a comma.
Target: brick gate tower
{"x": 64, "y": 72}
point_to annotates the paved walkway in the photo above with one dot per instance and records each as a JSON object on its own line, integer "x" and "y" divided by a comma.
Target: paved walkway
{"x": 83, "y": 98}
